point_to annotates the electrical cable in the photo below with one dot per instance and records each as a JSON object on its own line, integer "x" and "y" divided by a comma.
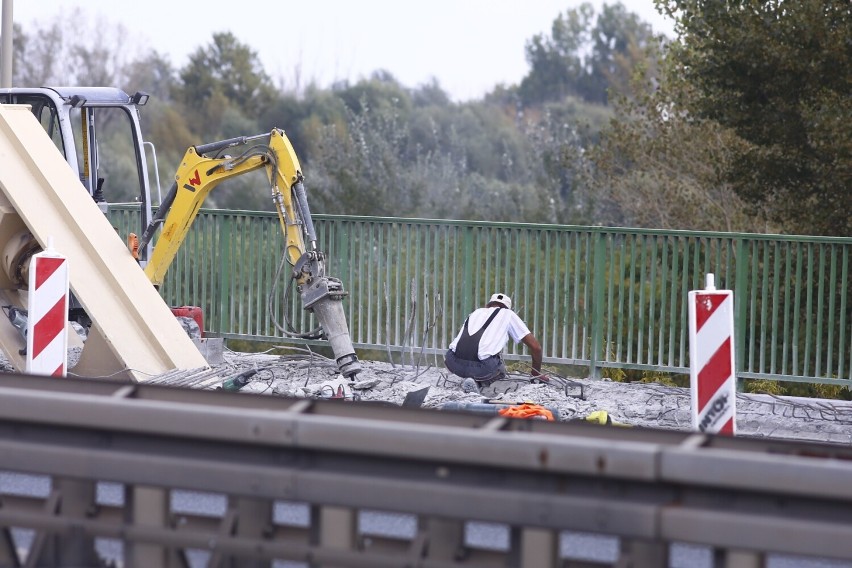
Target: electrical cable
{"x": 313, "y": 334}
{"x": 266, "y": 151}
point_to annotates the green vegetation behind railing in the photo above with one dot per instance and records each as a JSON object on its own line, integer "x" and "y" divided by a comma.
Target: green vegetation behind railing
{"x": 594, "y": 296}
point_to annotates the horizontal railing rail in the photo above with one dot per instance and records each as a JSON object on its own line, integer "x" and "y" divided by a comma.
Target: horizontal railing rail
{"x": 597, "y": 297}
{"x": 649, "y": 488}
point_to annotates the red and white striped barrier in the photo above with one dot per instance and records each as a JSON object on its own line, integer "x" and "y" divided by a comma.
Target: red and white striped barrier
{"x": 711, "y": 359}
{"x": 47, "y": 338}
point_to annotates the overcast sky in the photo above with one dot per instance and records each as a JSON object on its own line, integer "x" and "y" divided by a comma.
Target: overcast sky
{"x": 469, "y": 46}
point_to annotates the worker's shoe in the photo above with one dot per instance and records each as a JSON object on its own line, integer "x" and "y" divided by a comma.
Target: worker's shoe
{"x": 469, "y": 385}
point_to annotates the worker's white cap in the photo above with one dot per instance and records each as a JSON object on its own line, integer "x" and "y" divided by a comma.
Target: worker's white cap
{"x": 502, "y": 298}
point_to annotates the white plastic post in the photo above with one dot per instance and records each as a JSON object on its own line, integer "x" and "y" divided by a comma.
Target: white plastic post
{"x": 47, "y": 336}
{"x": 712, "y": 371}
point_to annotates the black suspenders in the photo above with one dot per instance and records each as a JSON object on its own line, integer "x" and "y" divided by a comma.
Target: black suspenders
{"x": 468, "y": 346}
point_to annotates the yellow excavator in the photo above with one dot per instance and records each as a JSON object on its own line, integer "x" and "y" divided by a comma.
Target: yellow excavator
{"x": 77, "y": 118}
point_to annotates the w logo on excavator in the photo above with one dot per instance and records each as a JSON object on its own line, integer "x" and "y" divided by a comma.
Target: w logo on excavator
{"x": 193, "y": 181}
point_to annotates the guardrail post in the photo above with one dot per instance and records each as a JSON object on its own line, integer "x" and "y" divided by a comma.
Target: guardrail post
{"x": 8, "y": 552}
{"x": 738, "y": 559}
{"x": 147, "y": 506}
{"x": 534, "y": 548}
{"x": 245, "y": 518}
{"x": 446, "y": 537}
{"x": 333, "y": 527}
{"x": 77, "y": 501}
{"x": 643, "y": 553}
{"x": 597, "y": 307}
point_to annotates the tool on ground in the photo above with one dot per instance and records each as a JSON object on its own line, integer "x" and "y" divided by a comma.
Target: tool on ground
{"x": 509, "y": 409}
{"x": 415, "y": 398}
{"x": 238, "y": 381}
{"x": 603, "y": 417}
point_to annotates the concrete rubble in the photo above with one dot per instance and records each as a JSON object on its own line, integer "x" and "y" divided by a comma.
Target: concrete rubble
{"x": 649, "y": 405}
{"x": 635, "y": 404}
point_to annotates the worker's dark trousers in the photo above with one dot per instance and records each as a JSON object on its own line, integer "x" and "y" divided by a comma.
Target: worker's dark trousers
{"x": 490, "y": 369}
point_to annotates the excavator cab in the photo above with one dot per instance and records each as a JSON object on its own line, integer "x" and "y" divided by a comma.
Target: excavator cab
{"x": 97, "y": 130}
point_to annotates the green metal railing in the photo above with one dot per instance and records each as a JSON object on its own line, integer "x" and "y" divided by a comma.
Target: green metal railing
{"x": 594, "y": 296}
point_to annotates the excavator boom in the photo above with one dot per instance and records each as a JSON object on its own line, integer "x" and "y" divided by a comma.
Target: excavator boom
{"x": 202, "y": 169}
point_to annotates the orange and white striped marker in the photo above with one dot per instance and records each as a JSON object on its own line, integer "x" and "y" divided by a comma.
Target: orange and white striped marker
{"x": 47, "y": 336}
{"x": 711, "y": 359}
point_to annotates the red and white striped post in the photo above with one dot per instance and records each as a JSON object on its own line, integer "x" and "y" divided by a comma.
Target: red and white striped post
{"x": 47, "y": 336}
{"x": 712, "y": 371}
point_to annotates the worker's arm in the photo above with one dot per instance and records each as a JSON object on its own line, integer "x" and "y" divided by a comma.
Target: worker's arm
{"x": 535, "y": 350}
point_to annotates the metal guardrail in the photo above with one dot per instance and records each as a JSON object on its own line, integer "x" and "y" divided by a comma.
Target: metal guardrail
{"x": 594, "y": 296}
{"x": 648, "y": 487}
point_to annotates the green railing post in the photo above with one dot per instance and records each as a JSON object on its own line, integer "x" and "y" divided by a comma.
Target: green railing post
{"x": 467, "y": 273}
{"x": 223, "y": 284}
{"x": 740, "y": 311}
{"x": 599, "y": 278}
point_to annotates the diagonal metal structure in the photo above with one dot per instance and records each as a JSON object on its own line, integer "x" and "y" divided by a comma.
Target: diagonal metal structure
{"x": 134, "y": 335}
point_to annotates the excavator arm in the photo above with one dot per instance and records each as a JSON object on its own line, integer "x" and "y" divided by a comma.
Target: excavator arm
{"x": 202, "y": 168}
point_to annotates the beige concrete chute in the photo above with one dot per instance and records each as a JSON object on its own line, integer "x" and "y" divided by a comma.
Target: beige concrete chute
{"x": 134, "y": 334}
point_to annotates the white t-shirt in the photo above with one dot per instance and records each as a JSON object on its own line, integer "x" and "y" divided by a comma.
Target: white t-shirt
{"x": 496, "y": 336}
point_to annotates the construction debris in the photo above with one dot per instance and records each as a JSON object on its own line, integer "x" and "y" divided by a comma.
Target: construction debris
{"x": 603, "y": 401}
{"x": 624, "y": 404}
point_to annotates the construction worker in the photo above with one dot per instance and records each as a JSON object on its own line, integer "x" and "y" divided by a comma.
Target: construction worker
{"x": 475, "y": 352}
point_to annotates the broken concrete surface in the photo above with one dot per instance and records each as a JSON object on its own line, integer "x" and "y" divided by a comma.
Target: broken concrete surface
{"x": 635, "y": 404}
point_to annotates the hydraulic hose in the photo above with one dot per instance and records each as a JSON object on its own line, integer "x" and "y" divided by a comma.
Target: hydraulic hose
{"x": 162, "y": 211}
{"x": 305, "y": 212}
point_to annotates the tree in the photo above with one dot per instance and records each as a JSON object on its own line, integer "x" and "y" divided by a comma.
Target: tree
{"x": 582, "y": 59}
{"x": 34, "y": 58}
{"x": 658, "y": 167}
{"x": 228, "y": 70}
{"x": 153, "y": 74}
{"x": 49, "y": 55}
{"x": 620, "y": 42}
{"x": 381, "y": 91}
{"x": 556, "y": 62}
{"x": 779, "y": 75}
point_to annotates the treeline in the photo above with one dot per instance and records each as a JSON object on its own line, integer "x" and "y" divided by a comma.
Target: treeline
{"x": 740, "y": 123}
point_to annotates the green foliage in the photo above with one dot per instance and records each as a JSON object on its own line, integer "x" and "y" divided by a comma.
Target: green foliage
{"x": 763, "y": 386}
{"x": 421, "y": 160}
{"x": 778, "y": 75}
{"x": 381, "y": 92}
{"x": 303, "y": 118}
{"x": 614, "y": 374}
{"x": 817, "y": 390}
{"x": 661, "y": 378}
{"x": 658, "y": 167}
{"x": 224, "y": 75}
{"x": 830, "y": 391}
{"x": 152, "y": 74}
{"x": 806, "y": 390}
{"x": 741, "y": 126}
{"x": 583, "y": 59}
